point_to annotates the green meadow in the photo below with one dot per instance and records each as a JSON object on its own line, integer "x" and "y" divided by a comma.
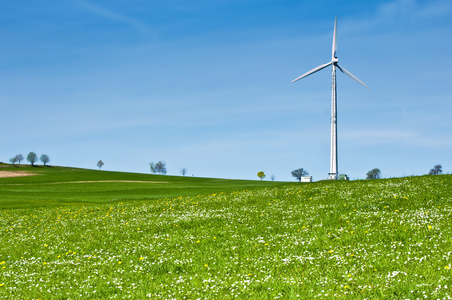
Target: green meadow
{"x": 82, "y": 234}
{"x": 57, "y": 186}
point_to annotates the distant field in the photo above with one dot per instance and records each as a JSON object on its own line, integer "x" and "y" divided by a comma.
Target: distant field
{"x": 56, "y": 186}
{"x": 381, "y": 239}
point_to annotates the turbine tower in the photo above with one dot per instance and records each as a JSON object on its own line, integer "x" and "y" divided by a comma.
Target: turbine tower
{"x": 334, "y": 63}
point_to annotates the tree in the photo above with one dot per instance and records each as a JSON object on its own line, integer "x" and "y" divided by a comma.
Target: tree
{"x": 261, "y": 175}
{"x": 19, "y": 158}
{"x": 183, "y": 171}
{"x": 298, "y": 173}
{"x": 32, "y": 158}
{"x": 272, "y": 177}
{"x": 100, "y": 164}
{"x": 438, "y": 169}
{"x": 374, "y": 174}
{"x": 45, "y": 159}
{"x": 159, "y": 167}
{"x": 13, "y": 160}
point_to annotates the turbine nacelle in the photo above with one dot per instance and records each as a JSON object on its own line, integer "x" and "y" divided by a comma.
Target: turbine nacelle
{"x": 334, "y": 61}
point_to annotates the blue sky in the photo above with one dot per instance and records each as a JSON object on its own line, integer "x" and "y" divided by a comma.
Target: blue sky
{"x": 205, "y": 85}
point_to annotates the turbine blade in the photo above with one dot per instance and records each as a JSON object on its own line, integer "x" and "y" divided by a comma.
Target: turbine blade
{"x": 333, "y": 55}
{"x": 351, "y": 75}
{"x": 313, "y": 71}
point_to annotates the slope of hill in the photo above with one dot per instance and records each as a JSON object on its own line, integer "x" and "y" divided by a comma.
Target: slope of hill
{"x": 379, "y": 239}
{"x": 55, "y": 186}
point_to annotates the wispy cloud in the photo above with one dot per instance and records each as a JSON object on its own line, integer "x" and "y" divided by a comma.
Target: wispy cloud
{"x": 111, "y": 15}
{"x": 414, "y": 8}
{"x": 388, "y": 14}
{"x": 381, "y": 135}
{"x": 409, "y": 138}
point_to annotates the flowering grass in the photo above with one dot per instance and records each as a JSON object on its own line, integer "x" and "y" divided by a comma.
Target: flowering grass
{"x": 382, "y": 239}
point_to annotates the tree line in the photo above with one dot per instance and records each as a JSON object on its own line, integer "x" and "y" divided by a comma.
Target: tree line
{"x": 31, "y": 157}
{"x": 156, "y": 168}
{"x": 160, "y": 168}
{"x": 376, "y": 173}
{"x": 298, "y": 174}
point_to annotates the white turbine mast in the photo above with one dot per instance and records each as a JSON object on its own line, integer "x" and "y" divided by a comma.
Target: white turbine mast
{"x": 334, "y": 63}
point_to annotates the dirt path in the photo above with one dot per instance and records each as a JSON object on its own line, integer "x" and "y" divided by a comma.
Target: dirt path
{"x": 95, "y": 181}
{"x": 4, "y": 174}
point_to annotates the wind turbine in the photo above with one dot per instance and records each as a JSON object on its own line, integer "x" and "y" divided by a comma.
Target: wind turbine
{"x": 333, "y": 63}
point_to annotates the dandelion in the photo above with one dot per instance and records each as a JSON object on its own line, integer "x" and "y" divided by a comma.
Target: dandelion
{"x": 430, "y": 227}
{"x": 119, "y": 262}
{"x": 447, "y": 267}
{"x": 206, "y": 265}
{"x": 331, "y": 251}
{"x": 141, "y": 257}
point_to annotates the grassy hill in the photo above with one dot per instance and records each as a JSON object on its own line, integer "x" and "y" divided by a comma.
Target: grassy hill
{"x": 56, "y": 186}
{"x": 379, "y": 239}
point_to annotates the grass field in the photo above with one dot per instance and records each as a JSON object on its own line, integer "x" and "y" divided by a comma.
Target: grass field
{"x": 381, "y": 239}
{"x": 56, "y": 186}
